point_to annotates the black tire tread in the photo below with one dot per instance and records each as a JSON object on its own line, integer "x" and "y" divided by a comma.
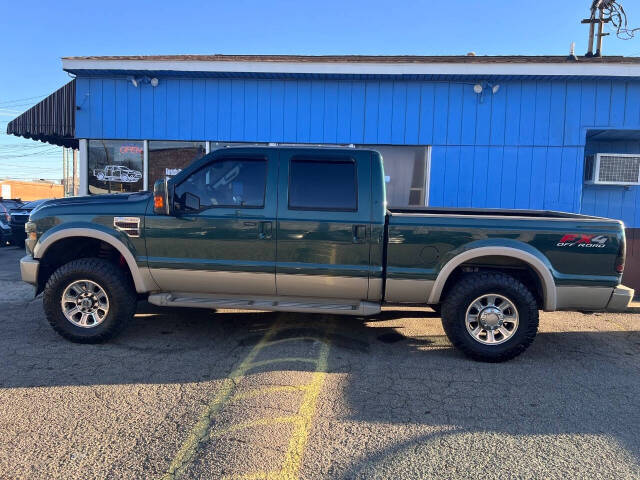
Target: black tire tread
{"x": 488, "y": 280}
{"x": 123, "y": 296}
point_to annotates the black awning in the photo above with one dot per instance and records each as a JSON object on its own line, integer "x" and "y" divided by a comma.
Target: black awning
{"x": 53, "y": 120}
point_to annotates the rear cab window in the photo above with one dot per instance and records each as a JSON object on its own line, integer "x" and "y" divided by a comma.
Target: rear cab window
{"x": 316, "y": 184}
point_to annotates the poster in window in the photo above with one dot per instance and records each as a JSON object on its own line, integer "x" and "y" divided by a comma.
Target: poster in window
{"x": 115, "y": 166}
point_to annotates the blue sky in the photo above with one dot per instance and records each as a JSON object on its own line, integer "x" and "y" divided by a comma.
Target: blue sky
{"x": 35, "y": 34}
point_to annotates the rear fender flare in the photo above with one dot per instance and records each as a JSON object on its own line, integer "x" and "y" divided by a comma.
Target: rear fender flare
{"x": 544, "y": 274}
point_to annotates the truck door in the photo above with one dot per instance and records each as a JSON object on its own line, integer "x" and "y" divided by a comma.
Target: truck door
{"x": 221, "y": 238}
{"x": 324, "y": 202}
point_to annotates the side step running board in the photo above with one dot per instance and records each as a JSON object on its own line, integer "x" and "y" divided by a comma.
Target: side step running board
{"x": 288, "y": 304}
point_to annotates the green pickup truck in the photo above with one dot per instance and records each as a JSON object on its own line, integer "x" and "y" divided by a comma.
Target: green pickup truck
{"x": 308, "y": 230}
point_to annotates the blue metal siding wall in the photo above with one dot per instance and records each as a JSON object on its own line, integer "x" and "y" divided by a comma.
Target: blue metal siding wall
{"x": 613, "y": 201}
{"x": 522, "y": 147}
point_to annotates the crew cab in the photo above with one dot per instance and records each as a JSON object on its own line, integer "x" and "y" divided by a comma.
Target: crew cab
{"x": 308, "y": 230}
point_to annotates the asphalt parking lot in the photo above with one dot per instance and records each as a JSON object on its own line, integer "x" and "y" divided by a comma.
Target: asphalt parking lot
{"x": 236, "y": 394}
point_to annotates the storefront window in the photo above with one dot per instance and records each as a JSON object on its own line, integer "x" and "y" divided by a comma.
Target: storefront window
{"x": 167, "y": 158}
{"x": 115, "y": 166}
{"x": 405, "y": 168}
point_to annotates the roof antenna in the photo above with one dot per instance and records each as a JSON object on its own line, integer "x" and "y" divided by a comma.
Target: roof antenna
{"x": 572, "y": 52}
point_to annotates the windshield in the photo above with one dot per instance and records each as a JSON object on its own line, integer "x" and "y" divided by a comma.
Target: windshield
{"x": 33, "y": 204}
{"x": 10, "y": 204}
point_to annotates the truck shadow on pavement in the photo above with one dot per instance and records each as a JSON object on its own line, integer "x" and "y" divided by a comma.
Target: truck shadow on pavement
{"x": 567, "y": 383}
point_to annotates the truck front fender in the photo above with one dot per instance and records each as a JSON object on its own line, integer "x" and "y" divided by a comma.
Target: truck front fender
{"x": 143, "y": 282}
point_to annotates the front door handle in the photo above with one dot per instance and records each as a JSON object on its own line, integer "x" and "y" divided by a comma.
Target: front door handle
{"x": 359, "y": 233}
{"x": 265, "y": 231}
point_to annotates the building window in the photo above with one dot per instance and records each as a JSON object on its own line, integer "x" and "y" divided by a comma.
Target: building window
{"x": 166, "y": 159}
{"x": 406, "y": 170}
{"x": 115, "y": 166}
{"x": 319, "y": 185}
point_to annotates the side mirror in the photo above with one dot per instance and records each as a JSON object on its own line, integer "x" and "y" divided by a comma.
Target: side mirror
{"x": 161, "y": 198}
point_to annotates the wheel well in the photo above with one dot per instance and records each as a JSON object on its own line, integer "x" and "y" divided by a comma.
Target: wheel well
{"x": 514, "y": 267}
{"x": 72, "y": 248}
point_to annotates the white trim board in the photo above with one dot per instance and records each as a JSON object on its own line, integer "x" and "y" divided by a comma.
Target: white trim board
{"x": 352, "y": 68}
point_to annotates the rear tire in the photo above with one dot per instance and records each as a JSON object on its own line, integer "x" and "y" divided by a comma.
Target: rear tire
{"x": 109, "y": 300}
{"x": 490, "y": 316}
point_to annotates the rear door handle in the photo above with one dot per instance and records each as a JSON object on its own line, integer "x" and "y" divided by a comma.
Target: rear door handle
{"x": 359, "y": 233}
{"x": 265, "y": 231}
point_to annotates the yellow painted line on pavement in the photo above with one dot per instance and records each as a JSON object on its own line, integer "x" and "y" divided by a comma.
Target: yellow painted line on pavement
{"x": 268, "y": 390}
{"x": 292, "y": 339}
{"x": 200, "y": 431}
{"x": 302, "y": 421}
{"x": 290, "y": 469}
{"x": 260, "y": 422}
{"x": 300, "y": 435}
{"x": 271, "y": 361}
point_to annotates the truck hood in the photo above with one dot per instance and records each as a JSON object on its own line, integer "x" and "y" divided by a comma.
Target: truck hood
{"x": 94, "y": 205}
{"x": 114, "y": 198}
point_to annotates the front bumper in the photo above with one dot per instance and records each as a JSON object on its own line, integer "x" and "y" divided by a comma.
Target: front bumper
{"x": 29, "y": 269}
{"x": 620, "y": 299}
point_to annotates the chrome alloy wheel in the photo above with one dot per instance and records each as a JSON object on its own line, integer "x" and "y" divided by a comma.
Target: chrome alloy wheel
{"x": 491, "y": 319}
{"x": 85, "y": 303}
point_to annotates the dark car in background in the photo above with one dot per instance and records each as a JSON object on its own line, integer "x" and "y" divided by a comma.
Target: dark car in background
{"x": 18, "y": 216}
{"x": 5, "y": 232}
{"x": 6, "y": 205}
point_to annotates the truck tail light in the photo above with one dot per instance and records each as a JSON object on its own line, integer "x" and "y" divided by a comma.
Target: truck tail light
{"x": 622, "y": 253}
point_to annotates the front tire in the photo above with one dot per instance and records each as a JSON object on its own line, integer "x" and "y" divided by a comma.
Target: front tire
{"x": 89, "y": 300}
{"x": 490, "y": 316}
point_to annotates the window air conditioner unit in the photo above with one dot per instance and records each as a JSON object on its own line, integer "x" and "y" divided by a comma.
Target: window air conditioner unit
{"x": 612, "y": 169}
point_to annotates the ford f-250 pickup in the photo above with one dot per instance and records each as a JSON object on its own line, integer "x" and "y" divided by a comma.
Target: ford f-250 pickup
{"x": 308, "y": 230}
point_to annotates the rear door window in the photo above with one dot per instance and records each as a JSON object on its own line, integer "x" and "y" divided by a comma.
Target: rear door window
{"x": 323, "y": 185}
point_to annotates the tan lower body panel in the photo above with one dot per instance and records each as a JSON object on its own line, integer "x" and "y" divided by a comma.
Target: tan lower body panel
{"x": 323, "y": 286}
{"x": 407, "y": 290}
{"x": 207, "y": 281}
{"x": 583, "y": 298}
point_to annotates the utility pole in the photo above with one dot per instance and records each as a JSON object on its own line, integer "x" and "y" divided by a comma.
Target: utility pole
{"x": 74, "y": 188}
{"x": 64, "y": 171}
{"x": 597, "y": 16}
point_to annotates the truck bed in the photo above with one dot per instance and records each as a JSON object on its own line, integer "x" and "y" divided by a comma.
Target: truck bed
{"x": 493, "y": 212}
{"x": 579, "y": 251}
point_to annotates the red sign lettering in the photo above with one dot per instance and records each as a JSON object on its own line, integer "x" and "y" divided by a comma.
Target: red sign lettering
{"x": 130, "y": 149}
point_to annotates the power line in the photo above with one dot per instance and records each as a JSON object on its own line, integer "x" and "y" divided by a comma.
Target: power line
{"x": 614, "y": 12}
{"x": 5, "y": 103}
{"x": 32, "y": 154}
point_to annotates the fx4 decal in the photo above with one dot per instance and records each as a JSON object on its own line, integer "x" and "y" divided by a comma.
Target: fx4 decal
{"x": 581, "y": 240}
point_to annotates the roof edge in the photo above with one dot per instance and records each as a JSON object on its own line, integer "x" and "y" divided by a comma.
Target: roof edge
{"x": 363, "y": 58}
{"x": 490, "y": 66}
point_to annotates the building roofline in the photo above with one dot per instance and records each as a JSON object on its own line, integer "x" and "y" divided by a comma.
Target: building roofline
{"x": 365, "y": 58}
{"x": 613, "y": 66}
